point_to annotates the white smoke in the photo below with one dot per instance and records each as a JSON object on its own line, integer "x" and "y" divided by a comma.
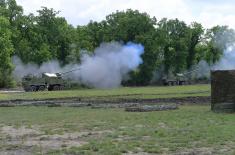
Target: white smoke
{"x": 109, "y": 64}
{"x": 22, "y": 69}
{"x": 201, "y": 70}
{"x": 106, "y": 68}
{"x": 227, "y": 62}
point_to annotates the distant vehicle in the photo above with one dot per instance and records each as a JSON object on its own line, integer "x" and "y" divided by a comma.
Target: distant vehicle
{"x": 178, "y": 79}
{"x": 46, "y": 81}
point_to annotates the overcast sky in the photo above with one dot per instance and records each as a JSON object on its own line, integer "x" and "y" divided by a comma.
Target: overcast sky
{"x": 80, "y": 12}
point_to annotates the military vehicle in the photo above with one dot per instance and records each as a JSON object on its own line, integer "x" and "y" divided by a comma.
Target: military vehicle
{"x": 46, "y": 81}
{"x": 178, "y": 79}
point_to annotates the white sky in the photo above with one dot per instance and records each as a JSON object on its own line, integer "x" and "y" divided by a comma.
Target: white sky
{"x": 80, "y": 12}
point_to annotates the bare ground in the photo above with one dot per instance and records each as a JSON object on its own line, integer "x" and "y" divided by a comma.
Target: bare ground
{"x": 23, "y": 140}
{"x": 116, "y": 103}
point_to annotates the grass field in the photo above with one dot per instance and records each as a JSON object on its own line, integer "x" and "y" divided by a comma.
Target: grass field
{"x": 191, "y": 129}
{"x": 123, "y": 92}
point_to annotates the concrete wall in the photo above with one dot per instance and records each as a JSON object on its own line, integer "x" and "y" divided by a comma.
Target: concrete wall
{"x": 223, "y": 90}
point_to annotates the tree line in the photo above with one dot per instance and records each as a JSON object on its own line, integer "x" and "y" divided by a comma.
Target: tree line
{"x": 170, "y": 44}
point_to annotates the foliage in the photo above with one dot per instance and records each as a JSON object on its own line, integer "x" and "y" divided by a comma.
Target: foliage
{"x": 196, "y": 32}
{"x": 176, "y": 34}
{"x": 136, "y": 27}
{"x": 218, "y": 39}
{"x": 171, "y": 46}
{"x": 6, "y": 50}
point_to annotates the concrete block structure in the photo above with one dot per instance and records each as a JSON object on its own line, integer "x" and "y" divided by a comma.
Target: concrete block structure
{"x": 223, "y": 90}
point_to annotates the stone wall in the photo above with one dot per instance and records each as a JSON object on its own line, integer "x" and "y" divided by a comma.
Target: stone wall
{"x": 223, "y": 90}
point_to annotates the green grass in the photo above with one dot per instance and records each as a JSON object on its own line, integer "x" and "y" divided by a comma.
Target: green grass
{"x": 4, "y": 96}
{"x": 123, "y": 92}
{"x": 190, "y": 127}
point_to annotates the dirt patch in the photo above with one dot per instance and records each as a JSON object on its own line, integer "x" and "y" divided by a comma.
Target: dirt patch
{"x": 196, "y": 151}
{"x": 147, "y": 108}
{"x": 105, "y": 103}
{"x": 15, "y": 152}
{"x": 24, "y": 140}
{"x": 18, "y": 132}
{"x": 136, "y": 153}
{"x": 206, "y": 151}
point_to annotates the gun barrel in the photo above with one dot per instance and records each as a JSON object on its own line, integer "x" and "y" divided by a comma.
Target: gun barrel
{"x": 75, "y": 69}
{"x": 192, "y": 71}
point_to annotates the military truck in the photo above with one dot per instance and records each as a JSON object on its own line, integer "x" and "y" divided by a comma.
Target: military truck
{"x": 47, "y": 81}
{"x": 178, "y": 78}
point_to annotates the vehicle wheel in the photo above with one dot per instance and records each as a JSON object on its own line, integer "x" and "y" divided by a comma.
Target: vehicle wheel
{"x": 56, "y": 87}
{"x": 41, "y": 88}
{"x": 33, "y": 88}
{"x": 50, "y": 88}
{"x": 61, "y": 87}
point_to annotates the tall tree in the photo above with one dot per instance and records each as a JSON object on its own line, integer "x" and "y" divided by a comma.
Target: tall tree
{"x": 44, "y": 37}
{"x": 196, "y": 32}
{"x": 176, "y": 36}
{"x": 56, "y": 32}
{"x": 137, "y": 27}
{"x": 15, "y": 12}
{"x": 218, "y": 39}
{"x": 126, "y": 26}
{"x": 6, "y": 50}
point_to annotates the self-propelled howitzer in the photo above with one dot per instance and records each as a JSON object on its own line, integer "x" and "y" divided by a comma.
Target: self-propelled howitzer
{"x": 178, "y": 78}
{"x": 46, "y": 81}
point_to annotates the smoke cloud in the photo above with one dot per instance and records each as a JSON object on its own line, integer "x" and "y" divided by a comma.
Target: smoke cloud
{"x": 227, "y": 62}
{"x": 201, "y": 70}
{"x": 106, "y": 68}
{"x": 22, "y": 69}
{"x": 109, "y": 64}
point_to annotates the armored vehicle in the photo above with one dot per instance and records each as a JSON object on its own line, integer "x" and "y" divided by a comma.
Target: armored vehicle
{"x": 47, "y": 81}
{"x": 178, "y": 78}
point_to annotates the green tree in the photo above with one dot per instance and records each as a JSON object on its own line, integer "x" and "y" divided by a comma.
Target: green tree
{"x": 176, "y": 35}
{"x": 6, "y": 50}
{"x": 3, "y": 8}
{"x": 84, "y": 38}
{"x": 14, "y": 14}
{"x": 55, "y": 32}
{"x": 44, "y": 37}
{"x": 196, "y": 32}
{"x": 137, "y": 27}
{"x": 30, "y": 40}
{"x": 218, "y": 39}
{"x": 126, "y": 26}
